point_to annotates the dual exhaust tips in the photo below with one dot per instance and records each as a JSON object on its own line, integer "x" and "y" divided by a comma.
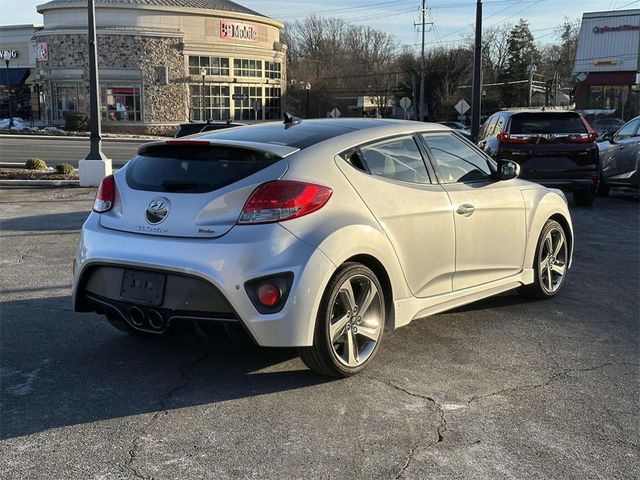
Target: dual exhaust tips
{"x": 152, "y": 320}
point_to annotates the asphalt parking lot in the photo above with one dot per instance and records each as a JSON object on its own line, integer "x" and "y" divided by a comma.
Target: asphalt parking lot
{"x": 503, "y": 388}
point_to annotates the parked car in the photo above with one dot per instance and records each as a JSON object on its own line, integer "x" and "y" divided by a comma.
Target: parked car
{"x": 191, "y": 128}
{"x": 619, "y": 163}
{"x": 454, "y": 125}
{"x": 603, "y": 126}
{"x": 316, "y": 234}
{"x": 554, "y": 148}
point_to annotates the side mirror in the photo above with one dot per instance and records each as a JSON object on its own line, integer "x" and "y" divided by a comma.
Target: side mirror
{"x": 507, "y": 170}
{"x": 608, "y": 137}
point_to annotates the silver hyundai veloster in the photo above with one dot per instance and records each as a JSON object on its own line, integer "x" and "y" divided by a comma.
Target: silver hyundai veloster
{"x": 316, "y": 234}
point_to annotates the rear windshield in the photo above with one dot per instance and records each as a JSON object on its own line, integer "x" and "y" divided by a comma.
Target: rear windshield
{"x": 297, "y": 136}
{"x": 193, "y": 169}
{"x": 532, "y": 123}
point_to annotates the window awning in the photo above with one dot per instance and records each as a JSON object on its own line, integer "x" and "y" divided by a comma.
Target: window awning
{"x": 16, "y": 76}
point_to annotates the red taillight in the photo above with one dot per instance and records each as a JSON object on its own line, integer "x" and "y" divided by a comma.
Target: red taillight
{"x": 187, "y": 142}
{"x": 105, "y": 195}
{"x": 269, "y": 294}
{"x": 584, "y": 137}
{"x": 283, "y": 200}
{"x": 506, "y": 137}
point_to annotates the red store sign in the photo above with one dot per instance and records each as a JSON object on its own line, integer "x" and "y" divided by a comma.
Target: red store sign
{"x": 619, "y": 28}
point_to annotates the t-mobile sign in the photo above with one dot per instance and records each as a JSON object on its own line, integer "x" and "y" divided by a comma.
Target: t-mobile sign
{"x": 238, "y": 31}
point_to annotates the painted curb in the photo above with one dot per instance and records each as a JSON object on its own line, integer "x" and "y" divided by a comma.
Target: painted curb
{"x": 39, "y": 183}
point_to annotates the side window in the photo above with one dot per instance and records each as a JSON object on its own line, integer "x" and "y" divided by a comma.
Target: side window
{"x": 499, "y": 125}
{"x": 627, "y": 131}
{"x": 456, "y": 161}
{"x": 398, "y": 159}
{"x": 487, "y": 128}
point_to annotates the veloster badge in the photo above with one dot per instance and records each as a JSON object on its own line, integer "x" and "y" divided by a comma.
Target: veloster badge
{"x": 157, "y": 210}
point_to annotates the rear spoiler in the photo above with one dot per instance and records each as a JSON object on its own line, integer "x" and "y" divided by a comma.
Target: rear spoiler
{"x": 280, "y": 151}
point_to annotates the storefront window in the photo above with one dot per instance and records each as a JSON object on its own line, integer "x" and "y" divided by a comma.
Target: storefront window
{"x": 607, "y": 97}
{"x": 247, "y": 68}
{"x": 121, "y": 102}
{"x": 212, "y": 65}
{"x": 216, "y": 102}
{"x": 243, "y": 109}
{"x": 272, "y": 103}
{"x": 68, "y": 98}
{"x": 273, "y": 70}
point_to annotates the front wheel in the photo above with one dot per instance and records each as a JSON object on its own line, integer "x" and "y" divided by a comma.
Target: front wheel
{"x": 349, "y": 324}
{"x": 551, "y": 263}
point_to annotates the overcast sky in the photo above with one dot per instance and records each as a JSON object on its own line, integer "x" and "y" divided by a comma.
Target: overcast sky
{"x": 452, "y": 19}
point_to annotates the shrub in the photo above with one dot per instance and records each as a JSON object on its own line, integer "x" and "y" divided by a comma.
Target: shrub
{"x": 36, "y": 164}
{"x": 64, "y": 168}
{"x": 76, "y": 121}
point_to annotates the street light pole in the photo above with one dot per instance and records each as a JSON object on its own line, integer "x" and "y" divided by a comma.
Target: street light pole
{"x": 307, "y": 87}
{"x": 477, "y": 74}
{"x": 203, "y": 72}
{"x": 7, "y": 57}
{"x": 96, "y": 165}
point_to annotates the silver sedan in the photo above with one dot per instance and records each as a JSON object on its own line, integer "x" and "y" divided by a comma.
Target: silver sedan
{"x": 316, "y": 234}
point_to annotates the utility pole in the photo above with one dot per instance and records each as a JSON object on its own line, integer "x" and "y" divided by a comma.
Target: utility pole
{"x": 96, "y": 165}
{"x": 477, "y": 74}
{"x": 423, "y": 64}
{"x": 531, "y": 69}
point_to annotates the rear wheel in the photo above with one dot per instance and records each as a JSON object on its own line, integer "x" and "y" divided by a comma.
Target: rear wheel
{"x": 349, "y": 325}
{"x": 603, "y": 190}
{"x": 550, "y": 263}
{"x": 584, "y": 197}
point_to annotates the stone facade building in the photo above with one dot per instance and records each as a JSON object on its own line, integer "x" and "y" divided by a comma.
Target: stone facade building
{"x": 161, "y": 62}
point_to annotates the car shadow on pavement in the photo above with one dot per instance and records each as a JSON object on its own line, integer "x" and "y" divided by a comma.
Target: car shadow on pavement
{"x": 49, "y": 222}
{"x": 62, "y": 368}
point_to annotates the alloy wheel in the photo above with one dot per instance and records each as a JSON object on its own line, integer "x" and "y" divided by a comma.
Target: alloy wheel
{"x": 552, "y": 260}
{"x": 355, "y": 326}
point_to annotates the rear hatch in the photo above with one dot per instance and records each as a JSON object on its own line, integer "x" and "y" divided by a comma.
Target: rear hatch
{"x": 191, "y": 188}
{"x": 549, "y": 144}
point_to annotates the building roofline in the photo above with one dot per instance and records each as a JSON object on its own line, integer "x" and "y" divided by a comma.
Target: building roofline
{"x": 22, "y": 25}
{"x": 611, "y": 13}
{"x": 256, "y": 18}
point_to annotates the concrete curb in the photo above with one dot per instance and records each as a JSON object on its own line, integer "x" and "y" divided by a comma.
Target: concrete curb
{"x": 71, "y": 137}
{"x": 39, "y": 183}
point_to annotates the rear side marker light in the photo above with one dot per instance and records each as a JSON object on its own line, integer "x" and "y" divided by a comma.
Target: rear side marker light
{"x": 269, "y": 294}
{"x": 283, "y": 200}
{"x": 105, "y": 196}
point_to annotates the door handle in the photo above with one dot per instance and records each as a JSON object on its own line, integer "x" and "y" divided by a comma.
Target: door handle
{"x": 466, "y": 210}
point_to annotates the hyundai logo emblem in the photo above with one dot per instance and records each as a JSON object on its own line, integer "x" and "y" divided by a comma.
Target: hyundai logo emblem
{"x": 157, "y": 210}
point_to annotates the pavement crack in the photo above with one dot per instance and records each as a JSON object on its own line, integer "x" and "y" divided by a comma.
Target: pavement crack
{"x": 562, "y": 374}
{"x": 439, "y": 431}
{"x": 185, "y": 379}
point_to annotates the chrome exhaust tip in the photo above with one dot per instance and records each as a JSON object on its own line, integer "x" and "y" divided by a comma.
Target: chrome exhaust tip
{"x": 156, "y": 320}
{"x": 136, "y": 316}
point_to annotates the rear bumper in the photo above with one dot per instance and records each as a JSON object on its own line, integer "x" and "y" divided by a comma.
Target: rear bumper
{"x": 568, "y": 184}
{"x": 224, "y": 265}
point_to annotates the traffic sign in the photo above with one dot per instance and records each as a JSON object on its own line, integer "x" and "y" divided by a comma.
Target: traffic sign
{"x": 335, "y": 113}
{"x": 240, "y": 96}
{"x": 405, "y": 102}
{"x": 462, "y": 107}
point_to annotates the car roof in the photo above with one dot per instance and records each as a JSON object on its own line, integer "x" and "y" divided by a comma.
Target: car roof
{"x": 308, "y": 132}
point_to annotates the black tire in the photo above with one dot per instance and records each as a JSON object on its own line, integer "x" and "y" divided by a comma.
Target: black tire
{"x": 538, "y": 289}
{"x": 322, "y": 357}
{"x": 584, "y": 197}
{"x": 603, "y": 190}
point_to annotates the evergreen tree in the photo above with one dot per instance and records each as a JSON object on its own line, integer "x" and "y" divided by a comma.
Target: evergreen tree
{"x": 521, "y": 52}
